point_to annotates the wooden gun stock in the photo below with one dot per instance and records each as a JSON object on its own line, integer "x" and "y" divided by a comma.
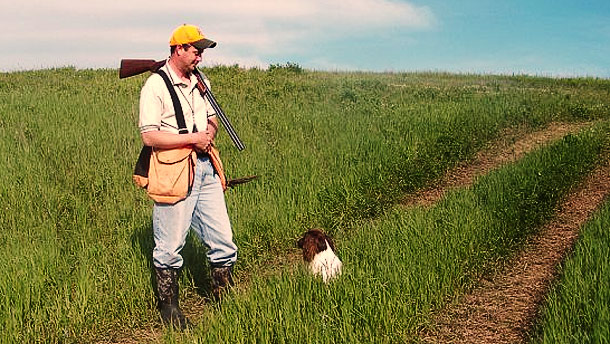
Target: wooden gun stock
{"x": 132, "y": 67}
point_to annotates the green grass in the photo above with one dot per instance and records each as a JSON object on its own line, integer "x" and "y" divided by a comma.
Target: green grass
{"x": 335, "y": 150}
{"x": 401, "y": 267}
{"x": 577, "y": 310}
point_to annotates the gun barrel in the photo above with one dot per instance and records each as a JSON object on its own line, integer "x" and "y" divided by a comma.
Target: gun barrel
{"x": 225, "y": 121}
{"x": 223, "y": 118}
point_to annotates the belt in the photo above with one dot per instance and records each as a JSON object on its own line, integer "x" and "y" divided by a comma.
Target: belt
{"x": 202, "y": 155}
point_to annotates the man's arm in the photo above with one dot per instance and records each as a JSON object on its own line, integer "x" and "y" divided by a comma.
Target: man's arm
{"x": 212, "y": 126}
{"x": 159, "y": 139}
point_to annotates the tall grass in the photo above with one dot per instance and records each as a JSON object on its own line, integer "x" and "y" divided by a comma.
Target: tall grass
{"x": 331, "y": 149}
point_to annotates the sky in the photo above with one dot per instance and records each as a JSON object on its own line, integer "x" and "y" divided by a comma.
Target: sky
{"x": 558, "y": 38}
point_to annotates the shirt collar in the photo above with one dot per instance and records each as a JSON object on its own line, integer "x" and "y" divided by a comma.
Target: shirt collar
{"x": 176, "y": 80}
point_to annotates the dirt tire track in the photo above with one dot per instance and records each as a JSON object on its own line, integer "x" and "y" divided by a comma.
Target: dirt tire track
{"x": 504, "y": 308}
{"x": 501, "y": 152}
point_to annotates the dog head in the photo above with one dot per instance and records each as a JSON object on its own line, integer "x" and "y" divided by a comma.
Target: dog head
{"x": 313, "y": 242}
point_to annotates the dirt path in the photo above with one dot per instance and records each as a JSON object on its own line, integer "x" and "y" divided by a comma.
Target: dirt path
{"x": 503, "y": 308}
{"x": 509, "y": 148}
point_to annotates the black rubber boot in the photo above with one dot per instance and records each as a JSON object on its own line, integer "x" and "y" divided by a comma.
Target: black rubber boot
{"x": 167, "y": 288}
{"x": 222, "y": 280}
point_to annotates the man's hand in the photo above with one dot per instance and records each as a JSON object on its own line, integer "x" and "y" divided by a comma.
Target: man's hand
{"x": 203, "y": 141}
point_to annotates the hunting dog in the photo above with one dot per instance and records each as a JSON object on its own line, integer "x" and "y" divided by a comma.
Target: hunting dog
{"x": 319, "y": 254}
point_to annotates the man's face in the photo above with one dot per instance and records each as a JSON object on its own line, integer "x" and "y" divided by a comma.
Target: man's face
{"x": 190, "y": 58}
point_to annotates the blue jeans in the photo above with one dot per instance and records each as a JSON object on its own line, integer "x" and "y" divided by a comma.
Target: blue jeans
{"x": 204, "y": 210}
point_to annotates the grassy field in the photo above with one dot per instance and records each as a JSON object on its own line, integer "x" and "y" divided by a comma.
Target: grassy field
{"x": 333, "y": 150}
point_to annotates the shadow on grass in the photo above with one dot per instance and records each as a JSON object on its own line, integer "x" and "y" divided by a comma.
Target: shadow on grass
{"x": 195, "y": 268}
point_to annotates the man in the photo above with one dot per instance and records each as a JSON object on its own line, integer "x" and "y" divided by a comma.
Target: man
{"x": 204, "y": 208}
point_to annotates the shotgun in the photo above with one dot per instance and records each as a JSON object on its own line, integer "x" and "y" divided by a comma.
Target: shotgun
{"x": 131, "y": 67}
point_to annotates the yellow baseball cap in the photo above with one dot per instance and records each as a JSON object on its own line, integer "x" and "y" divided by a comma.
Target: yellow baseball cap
{"x": 190, "y": 34}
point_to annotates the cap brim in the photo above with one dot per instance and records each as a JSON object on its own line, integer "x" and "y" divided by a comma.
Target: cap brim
{"x": 204, "y": 44}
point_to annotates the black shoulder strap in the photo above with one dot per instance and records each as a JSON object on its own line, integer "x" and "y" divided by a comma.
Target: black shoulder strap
{"x": 177, "y": 106}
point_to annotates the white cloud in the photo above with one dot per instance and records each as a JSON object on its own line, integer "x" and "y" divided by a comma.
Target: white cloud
{"x": 246, "y": 30}
{"x": 263, "y": 25}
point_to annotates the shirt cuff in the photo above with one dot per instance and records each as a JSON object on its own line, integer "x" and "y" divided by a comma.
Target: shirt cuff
{"x": 147, "y": 128}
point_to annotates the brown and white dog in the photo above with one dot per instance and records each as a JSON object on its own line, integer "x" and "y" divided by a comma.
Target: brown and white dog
{"x": 319, "y": 253}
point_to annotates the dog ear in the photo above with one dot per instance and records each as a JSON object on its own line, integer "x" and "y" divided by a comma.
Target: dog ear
{"x": 300, "y": 242}
{"x": 308, "y": 249}
{"x": 321, "y": 244}
{"x": 330, "y": 242}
